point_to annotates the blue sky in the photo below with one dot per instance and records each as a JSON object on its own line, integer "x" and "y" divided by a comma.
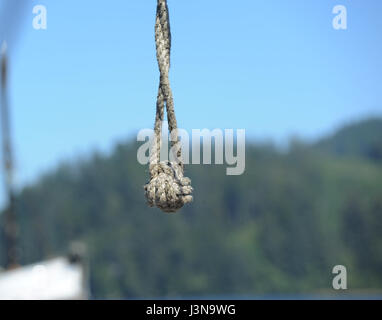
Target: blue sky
{"x": 276, "y": 68}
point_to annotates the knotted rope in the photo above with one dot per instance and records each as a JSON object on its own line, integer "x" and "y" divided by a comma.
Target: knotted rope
{"x": 168, "y": 189}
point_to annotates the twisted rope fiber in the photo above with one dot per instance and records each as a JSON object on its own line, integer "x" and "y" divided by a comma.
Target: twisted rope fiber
{"x": 167, "y": 189}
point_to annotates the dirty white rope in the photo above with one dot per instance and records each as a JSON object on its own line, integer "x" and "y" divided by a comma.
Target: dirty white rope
{"x": 167, "y": 189}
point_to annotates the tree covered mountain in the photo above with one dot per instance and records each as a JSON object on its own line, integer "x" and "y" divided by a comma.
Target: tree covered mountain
{"x": 362, "y": 139}
{"x": 279, "y": 228}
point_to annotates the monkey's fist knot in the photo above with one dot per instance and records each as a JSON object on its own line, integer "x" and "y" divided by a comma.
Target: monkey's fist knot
{"x": 168, "y": 189}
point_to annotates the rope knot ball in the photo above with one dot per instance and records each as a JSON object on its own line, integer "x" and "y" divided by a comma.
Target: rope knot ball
{"x": 168, "y": 189}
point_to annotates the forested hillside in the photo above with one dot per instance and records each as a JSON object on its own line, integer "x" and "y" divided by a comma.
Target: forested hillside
{"x": 363, "y": 139}
{"x": 278, "y": 228}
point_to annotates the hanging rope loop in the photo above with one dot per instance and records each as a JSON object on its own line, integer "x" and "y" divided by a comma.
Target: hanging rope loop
{"x": 168, "y": 189}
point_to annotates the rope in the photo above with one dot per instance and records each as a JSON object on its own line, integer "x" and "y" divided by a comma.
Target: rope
{"x": 168, "y": 189}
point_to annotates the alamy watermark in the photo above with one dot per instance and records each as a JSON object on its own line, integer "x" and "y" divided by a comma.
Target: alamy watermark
{"x": 204, "y": 145}
{"x": 340, "y": 281}
{"x": 340, "y": 21}
{"x": 40, "y": 13}
{"x": 39, "y": 21}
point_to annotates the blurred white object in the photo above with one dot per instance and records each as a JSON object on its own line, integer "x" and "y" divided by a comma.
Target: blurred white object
{"x": 56, "y": 279}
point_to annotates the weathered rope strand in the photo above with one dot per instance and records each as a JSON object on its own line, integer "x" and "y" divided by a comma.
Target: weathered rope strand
{"x": 168, "y": 189}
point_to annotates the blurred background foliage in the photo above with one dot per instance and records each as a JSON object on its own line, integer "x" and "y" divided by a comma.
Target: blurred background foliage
{"x": 277, "y": 229}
